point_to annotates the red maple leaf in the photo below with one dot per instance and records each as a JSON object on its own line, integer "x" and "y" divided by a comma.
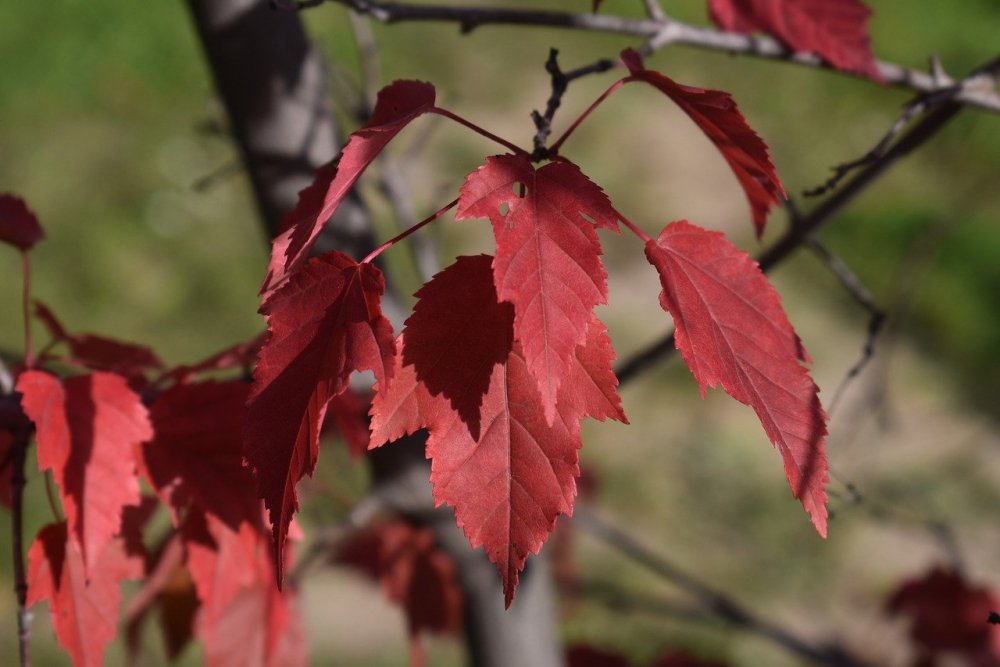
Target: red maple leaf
{"x": 509, "y": 484}
{"x": 415, "y": 574}
{"x": 397, "y": 105}
{"x": 241, "y": 355}
{"x": 244, "y": 619}
{"x": 548, "y": 262}
{"x": 833, "y": 29}
{"x": 18, "y": 225}
{"x": 454, "y": 336}
{"x": 100, "y": 352}
{"x": 949, "y": 614}
{"x": 732, "y": 330}
{"x": 716, "y": 114}
{"x": 83, "y": 600}
{"x": 196, "y": 456}
{"x": 87, "y": 429}
{"x": 323, "y": 324}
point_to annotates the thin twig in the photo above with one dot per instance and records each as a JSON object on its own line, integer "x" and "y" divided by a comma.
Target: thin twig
{"x": 719, "y": 604}
{"x": 666, "y": 31}
{"x": 862, "y": 296}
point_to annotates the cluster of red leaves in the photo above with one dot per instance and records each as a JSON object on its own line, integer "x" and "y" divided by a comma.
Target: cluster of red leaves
{"x": 503, "y": 356}
{"x": 414, "y": 573}
{"x": 949, "y": 616}
{"x": 123, "y": 418}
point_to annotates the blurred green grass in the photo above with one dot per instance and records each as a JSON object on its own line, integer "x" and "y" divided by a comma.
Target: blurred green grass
{"x": 105, "y": 125}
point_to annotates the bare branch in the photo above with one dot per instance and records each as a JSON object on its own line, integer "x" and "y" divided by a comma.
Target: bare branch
{"x": 978, "y": 91}
{"x": 719, "y": 604}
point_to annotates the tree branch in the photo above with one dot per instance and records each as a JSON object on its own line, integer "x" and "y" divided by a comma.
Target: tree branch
{"x": 661, "y": 32}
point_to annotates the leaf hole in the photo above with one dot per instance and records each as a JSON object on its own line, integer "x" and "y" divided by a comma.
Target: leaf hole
{"x": 504, "y": 209}
{"x": 519, "y": 189}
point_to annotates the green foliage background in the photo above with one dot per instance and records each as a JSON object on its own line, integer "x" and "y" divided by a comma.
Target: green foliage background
{"x": 108, "y": 120}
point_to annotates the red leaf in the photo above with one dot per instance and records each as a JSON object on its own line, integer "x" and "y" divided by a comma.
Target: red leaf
{"x": 548, "y": 261}
{"x": 245, "y": 621}
{"x": 732, "y": 331}
{"x": 196, "y": 456}
{"x": 716, "y": 114}
{"x": 457, "y": 333}
{"x": 84, "y": 606}
{"x": 323, "y": 324}
{"x": 949, "y": 614}
{"x": 405, "y": 406}
{"x": 509, "y": 486}
{"x": 397, "y": 105}
{"x": 414, "y": 573}
{"x": 833, "y": 29}
{"x": 18, "y": 225}
{"x": 241, "y": 355}
{"x": 87, "y": 429}
{"x": 99, "y": 352}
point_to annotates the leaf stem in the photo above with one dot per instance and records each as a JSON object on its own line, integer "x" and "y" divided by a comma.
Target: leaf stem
{"x": 517, "y": 150}
{"x": 399, "y": 237}
{"x": 554, "y": 148}
{"x": 29, "y": 357}
{"x": 641, "y": 233}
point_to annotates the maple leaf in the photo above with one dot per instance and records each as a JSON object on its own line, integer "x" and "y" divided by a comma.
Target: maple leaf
{"x": 397, "y": 105}
{"x": 87, "y": 427}
{"x": 241, "y": 355}
{"x": 244, "y": 619}
{"x": 18, "y": 225}
{"x": 833, "y": 29}
{"x": 457, "y": 333}
{"x": 949, "y": 614}
{"x": 323, "y": 324}
{"x": 548, "y": 262}
{"x": 509, "y": 484}
{"x": 716, "y": 114}
{"x": 196, "y": 454}
{"x": 84, "y": 605}
{"x": 99, "y": 352}
{"x": 415, "y": 574}
{"x": 731, "y": 330}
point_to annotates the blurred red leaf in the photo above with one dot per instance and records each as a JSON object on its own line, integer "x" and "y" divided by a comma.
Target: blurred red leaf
{"x": 87, "y": 429}
{"x": 18, "y": 225}
{"x": 84, "y": 606}
{"x": 833, "y": 29}
{"x": 196, "y": 455}
{"x": 947, "y": 613}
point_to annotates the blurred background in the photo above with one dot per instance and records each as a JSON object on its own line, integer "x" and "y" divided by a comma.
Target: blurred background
{"x": 110, "y": 130}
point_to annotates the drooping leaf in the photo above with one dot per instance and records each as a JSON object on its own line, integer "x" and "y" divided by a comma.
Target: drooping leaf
{"x": 241, "y": 355}
{"x": 84, "y": 605}
{"x": 18, "y": 225}
{"x": 323, "y": 324}
{"x": 833, "y": 29}
{"x": 548, "y": 262}
{"x": 716, "y": 114}
{"x": 509, "y": 486}
{"x": 948, "y": 614}
{"x": 100, "y": 353}
{"x": 405, "y": 406}
{"x": 732, "y": 331}
{"x": 87, "y": 429}
{"x": 196, "y": 456}
{"x": 457, "y": 334}
{"x": 245, "y": 621}
{"x": 397, "y": 105}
